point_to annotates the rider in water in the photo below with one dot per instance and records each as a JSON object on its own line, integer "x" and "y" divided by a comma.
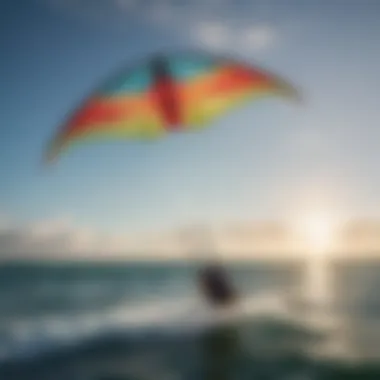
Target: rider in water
{"x": 215, "y": 286}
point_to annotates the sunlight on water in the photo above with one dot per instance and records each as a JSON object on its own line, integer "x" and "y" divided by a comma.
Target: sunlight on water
{"x": 317, "y": 279}
{"x": 317, "y": 232}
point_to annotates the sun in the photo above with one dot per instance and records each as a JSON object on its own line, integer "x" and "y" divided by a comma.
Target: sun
{"x": 317, "y": 231}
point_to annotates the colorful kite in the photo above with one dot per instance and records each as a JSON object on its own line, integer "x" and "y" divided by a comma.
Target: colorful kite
{"x": 167, "y": 94}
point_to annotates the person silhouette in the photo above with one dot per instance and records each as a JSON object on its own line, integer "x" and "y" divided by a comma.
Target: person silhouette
{"x": 215, "y": 286}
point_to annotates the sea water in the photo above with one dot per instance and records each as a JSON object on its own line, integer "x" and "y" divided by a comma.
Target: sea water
{"x": 146, "y": 321}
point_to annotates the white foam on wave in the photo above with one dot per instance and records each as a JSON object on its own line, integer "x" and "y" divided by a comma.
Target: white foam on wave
{"x": 31, "y": 337}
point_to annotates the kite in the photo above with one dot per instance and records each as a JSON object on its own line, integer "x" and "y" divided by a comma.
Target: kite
{"x": 166, "y": 94}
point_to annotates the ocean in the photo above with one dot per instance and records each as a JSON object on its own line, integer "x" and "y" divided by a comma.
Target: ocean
{"x": 108, "y": 321}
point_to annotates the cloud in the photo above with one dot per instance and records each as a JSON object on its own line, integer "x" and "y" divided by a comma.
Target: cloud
{"x": 258, "y": 37}
{"x": 361, "y": 236}
{"x": 46, "y": 238}
{"x": 223, "y": 37}
{"x": 60, "y": 238}
{"x": 210, "y": 24}
{"x": 55, "y": 240}
{"x": 212, "y": 35}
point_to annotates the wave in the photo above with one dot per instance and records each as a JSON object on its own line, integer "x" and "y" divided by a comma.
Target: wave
{"x": 30, "y": 337}
{"x": 270, "y": 313}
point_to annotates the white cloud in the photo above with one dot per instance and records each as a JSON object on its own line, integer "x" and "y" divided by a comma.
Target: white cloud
{"x": 61, "y": 239}
{"x": 211, "y": 24}
{"x": 257, "y": 37}
{"x": 48, "y": 237}
{"x": 221, "y": 36}
{"x": 212, "y": 35}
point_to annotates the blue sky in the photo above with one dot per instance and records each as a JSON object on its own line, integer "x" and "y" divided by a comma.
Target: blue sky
{"x": 263, "y": 161}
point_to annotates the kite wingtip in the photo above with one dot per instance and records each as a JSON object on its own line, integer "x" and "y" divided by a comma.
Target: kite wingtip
{"x": 49, "y": 158}
{"x": 292, "y": 93}
{"x": 298, "y": 98}
{"x": 52, "y": 152}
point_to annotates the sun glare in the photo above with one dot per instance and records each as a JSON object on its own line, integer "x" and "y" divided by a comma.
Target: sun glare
{"x": 316, "y": 231}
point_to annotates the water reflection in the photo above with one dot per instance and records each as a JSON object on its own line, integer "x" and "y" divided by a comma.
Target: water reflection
{"x": 220, "y": 348}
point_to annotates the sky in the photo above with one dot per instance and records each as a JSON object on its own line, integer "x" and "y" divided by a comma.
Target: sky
{"x": 269, "y": 160}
